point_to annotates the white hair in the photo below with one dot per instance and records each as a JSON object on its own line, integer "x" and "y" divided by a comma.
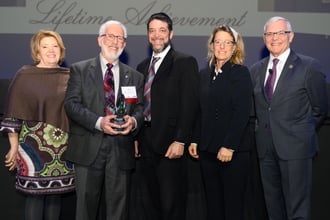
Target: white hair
{"x": 111, "y": 22}
{"x": 278, "y": 18}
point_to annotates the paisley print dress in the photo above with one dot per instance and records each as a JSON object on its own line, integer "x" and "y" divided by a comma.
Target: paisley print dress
{"x": 41, "y": 169}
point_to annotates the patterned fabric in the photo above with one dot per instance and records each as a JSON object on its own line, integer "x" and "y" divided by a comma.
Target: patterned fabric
{"x": 11, "y": 125}
{"x": 109, "y": 90}
{"x": 147, "y": 88}
{"x": 41, "y": 169}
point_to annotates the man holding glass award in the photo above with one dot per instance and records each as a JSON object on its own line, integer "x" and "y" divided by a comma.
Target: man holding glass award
{"x": 104, "y": 101}
{"x": 120, "y": 113}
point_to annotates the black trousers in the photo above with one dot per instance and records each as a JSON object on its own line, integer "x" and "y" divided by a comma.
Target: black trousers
{"x": 162, "y": 183}
{"x": 225, "y": 185}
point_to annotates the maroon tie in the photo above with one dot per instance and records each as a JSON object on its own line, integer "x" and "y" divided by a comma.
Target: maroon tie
{"x": 147, "y": 88}
{"x": 269, "y": 87}
{"x": 109, "y": 90}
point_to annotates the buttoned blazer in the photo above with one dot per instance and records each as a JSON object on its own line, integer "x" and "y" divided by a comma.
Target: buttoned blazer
{"x": 85, "y": 103}
{"x": 298, "y": 107}
{"x": 174, "y": 99}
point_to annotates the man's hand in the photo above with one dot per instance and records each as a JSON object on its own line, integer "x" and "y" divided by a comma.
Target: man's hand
{"x": 175, "y": 150}
{"x": 128, "y": 126}
{"x": 107, "y": 126}
{"x": 225, "y": 154}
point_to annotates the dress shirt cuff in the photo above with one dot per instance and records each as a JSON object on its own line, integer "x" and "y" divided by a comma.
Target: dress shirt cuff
{"x": 135, "y": 124}
{"x": 98, "y": 124}
{"x": 179, "y": 143}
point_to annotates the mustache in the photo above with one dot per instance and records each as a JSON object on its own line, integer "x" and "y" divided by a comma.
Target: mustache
{"x": 112, "y": 55}
{"x": 160, "y": 49}
{"x": 113, "y": 45}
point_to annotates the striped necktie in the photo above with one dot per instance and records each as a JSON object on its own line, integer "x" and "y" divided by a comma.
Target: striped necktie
{"x": 109, "y": 90}
{"x": 147, "y": 88}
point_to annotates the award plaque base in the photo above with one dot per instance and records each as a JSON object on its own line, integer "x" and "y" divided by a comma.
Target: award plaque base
{"x": 118, "y": 121}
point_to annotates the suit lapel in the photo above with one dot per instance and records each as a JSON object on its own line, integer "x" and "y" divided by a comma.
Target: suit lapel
{"x": 96, "y": 77}
{"x": 165, "y": 66}
{"x": 286, "y": 73}
{"x": 95, "y": 71}
{"x": 124, "y": 77}
{"x": 262, "y": 73}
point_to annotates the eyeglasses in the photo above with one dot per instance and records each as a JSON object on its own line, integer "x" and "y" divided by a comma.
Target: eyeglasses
{"x": 226, "y": 43}
{"x": 112, "y": 37}
{"x": 278, "y": 33}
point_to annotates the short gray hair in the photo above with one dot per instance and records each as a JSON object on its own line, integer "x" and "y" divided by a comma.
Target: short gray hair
{"x": 278, "y": 18}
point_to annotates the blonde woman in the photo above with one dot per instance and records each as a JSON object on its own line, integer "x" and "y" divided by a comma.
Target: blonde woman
{"x": 225, "y": 98}
{"x": 37, "y": 128}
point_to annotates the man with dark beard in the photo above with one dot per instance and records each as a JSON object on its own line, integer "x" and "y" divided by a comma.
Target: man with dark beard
{"x": 171, "y": 103}
{"x": 103, "y": 151}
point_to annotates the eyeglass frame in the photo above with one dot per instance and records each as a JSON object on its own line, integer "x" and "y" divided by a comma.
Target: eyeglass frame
{"x": 277, "y": 33}
{"x": 226, "y": 43}
{"x": 112, "y": 37}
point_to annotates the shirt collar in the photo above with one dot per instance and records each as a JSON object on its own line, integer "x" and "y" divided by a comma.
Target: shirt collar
{"x": 104, "y": 63}
{"x": 162, "y": 54}
{"x": 283, "y": 57}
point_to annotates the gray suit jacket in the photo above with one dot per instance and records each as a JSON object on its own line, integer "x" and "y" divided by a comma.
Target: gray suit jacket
{"x": 298, "y": 107}
{"x": 85, "y": 103}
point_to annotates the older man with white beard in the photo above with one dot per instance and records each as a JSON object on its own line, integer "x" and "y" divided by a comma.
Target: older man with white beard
{"x": 102, "y": 150}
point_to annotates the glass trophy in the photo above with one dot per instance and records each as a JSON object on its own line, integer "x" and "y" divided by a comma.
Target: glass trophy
{"x": 120, "y": 112}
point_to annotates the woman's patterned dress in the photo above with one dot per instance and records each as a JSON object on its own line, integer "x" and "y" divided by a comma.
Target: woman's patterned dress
{"x": 40, "y": 168}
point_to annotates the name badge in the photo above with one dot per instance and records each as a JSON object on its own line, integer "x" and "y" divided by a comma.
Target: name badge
{"x": 130, "y": 94}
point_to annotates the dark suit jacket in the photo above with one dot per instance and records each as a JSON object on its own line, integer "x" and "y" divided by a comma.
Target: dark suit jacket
{"x": 174, "y": 99}
{"x": 85, "y": 103}
{"x": 298, "y": 107}
{"x": 225, "y": 108}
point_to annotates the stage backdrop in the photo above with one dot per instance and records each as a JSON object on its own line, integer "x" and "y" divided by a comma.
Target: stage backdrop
{"x": 78, "y": 23}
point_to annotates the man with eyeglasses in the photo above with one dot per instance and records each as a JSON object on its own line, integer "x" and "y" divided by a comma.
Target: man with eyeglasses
{"x": 290, "y": 100}
{"x": 103, "y": 151}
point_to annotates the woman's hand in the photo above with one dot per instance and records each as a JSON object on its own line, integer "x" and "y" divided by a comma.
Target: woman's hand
{"x": 11, "y": 156}
{"x": 11, "y": 159}
{"x": 192, "y": 149}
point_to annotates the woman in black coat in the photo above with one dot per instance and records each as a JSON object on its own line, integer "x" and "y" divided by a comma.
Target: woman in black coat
{"x": 225, "y": 102}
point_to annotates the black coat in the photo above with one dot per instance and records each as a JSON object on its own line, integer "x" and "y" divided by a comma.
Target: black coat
{"x": 225, "y": 104}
